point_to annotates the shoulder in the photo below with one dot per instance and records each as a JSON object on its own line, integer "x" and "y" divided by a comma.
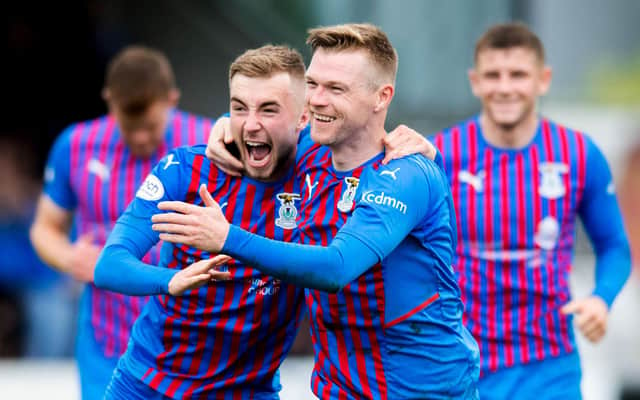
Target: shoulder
{"x": 409, "y": 173}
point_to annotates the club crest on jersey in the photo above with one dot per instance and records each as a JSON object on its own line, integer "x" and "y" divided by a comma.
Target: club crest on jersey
{"x": 346, "y": 201}
{"x": 547, "y": 233}
{"x": 287, "y": 212}
{"x": 551, "y": 186}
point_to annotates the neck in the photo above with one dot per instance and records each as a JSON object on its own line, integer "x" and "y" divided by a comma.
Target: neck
{"x": 357, "y": 149}
{"x": 509, "y": 137}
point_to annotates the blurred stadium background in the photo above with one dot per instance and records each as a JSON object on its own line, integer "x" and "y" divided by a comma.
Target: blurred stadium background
{"x": 54, "y": 57}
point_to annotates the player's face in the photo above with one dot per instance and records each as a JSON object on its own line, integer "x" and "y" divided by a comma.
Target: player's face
{"x": 340, "y": 96}
{"x": 143, "y": 133}
{"x": 508, "y": 83}
{"x": 266, "y": 116}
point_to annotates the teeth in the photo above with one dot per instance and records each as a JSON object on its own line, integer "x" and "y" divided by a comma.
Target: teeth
{"x": 254, "y": 144}
{"x": 323, "y": 118}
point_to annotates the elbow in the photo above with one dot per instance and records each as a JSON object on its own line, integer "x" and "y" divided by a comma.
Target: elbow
{"x": 100, "y": 274}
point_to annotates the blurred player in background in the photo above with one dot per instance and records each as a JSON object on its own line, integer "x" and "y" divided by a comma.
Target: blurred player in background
{"x": 92, "y": 173}
{"x": 519, "y": 183}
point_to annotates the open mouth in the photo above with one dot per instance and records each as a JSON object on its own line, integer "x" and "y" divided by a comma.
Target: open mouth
{"x": 259, "y": 154}
{"x": 323, "y": 118}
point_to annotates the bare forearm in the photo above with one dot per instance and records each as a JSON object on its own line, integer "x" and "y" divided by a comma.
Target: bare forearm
{"x": 53, "y": 246}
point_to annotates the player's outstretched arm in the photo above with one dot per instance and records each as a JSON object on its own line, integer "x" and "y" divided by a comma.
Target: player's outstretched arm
{"x": 603, "y": 222}
{"x": 324, "y": 268}
{"x": 120, "y": 269}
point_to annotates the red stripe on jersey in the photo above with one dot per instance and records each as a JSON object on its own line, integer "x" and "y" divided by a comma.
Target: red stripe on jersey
{"x": 553, "y": 212}
{"x": 537, "y": 278}
{"x": 490, "y": 265}
{"x": 507, "y": 266}
{"x": 522, "y": 265}
{"x": 472, "y": 227}
{"x": 414, "y": 310}
{"x": 376, "y": 354}
{"x": 567, "y": 218}
{"x": 455, "y": 188}
{"x": 582, "y": 166}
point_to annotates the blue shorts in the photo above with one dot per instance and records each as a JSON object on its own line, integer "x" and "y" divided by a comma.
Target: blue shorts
{"x": 94, "y": 368}
{"x": 553, "y": 378}
{"x": 124, "y": 386}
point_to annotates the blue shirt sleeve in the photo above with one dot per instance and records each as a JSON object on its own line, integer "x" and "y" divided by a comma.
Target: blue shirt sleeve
{"x": 391, "y": 202}
{"x": 602, "y": 220}
{"x": 304, "y": 142}
{"x": 352, "y": 251}
{"x": 119, "y": 266}
{"x": 57, "y": 173}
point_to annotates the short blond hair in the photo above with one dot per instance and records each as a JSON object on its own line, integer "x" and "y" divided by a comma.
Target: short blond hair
{"x": 268, "y": 60}
{"x": 366, "y": 37}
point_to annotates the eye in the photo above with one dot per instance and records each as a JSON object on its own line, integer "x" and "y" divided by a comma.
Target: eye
{"x": 491, "y": 75}
{"x": 336, "y": 89}
{"x": 270, "y": 110}
{"x": 311, "y": 84}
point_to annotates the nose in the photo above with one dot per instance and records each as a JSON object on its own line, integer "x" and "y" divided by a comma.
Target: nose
{"x": 317, "y": 96}
{"x": 252, "y": 123}
{"x": 504, "y": 84}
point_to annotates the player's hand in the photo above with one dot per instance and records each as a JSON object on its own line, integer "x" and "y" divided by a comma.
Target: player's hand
{"x": 219, "y": 137}
{"x": 83, "y": 258}
{"x": 204, "y": 228}
{"x": 198, "y": 274}
{"x": 591, "y": 316}
{"x": 404, "y": 141}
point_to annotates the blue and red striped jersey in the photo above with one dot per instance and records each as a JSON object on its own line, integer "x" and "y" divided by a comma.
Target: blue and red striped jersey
{"x": 395, "y": 331}
{"x": 517, "y": 211}
{"x": 226, "y": 338}
{"x": 91, "y": 172}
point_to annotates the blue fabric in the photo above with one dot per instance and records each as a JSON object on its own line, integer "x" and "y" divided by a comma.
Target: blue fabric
{"x": 57, "y": 184}
{"x": 125, "y": 386}
{"x": 602, "y": 220}
{"x": 552, "y": 379}
{"x": 94, "y": 368}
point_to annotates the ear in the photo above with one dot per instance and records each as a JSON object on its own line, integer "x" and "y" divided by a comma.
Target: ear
{"x": 174, "y": 97}
{"x": 304, "y": 119}
{"x": 384, "y": 95}
{"x": 472, "y": 74}
{"x": 108, "y": 99}
{"x": 546, "y": 74}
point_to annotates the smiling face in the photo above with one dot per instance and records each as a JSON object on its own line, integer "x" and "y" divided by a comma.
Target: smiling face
{"x": 508, "y": 83}
{"x": 267, "y": 113}
{"x": 341, "y": 94}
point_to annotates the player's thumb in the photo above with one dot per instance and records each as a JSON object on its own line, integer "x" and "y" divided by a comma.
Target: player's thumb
{"x": 228, "y": 138}
{"x": 206, "y": 196}
{"x": 571, "y": 307}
